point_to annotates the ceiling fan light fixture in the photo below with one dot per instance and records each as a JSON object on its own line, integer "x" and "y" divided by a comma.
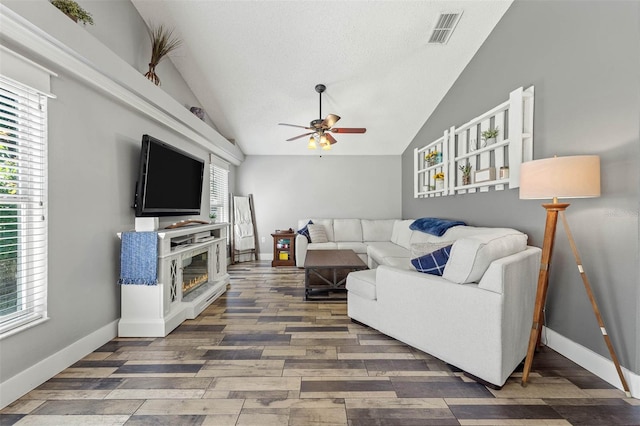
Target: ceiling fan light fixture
{"x": 312, "y": 143}
{"x": 320, "y": 128}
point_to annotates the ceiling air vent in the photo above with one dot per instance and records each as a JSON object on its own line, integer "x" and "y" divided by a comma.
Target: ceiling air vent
{"x": 444, "y": 27}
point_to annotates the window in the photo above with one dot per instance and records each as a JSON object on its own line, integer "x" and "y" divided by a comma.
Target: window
{"x": 23, "y": 205}
{"x": 219, "y": 189}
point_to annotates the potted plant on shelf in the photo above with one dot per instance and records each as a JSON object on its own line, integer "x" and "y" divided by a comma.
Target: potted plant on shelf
{"x": 162, "y": 43}
{"x": 490, "y": 135}
{"x": 433, "y": 158}
{"x": 439, "y": 180}
{"x": 466, "y": 173}
{"x": 73, "y": 10}
{"x": 213, "y": 216}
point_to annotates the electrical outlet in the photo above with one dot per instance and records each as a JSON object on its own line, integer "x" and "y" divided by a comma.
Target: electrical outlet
{"x": 263, "y": 239}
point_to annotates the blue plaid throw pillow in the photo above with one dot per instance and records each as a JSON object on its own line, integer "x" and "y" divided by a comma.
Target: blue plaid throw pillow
{"x": 432, "y": 263}
{"x": 305, "y": 231}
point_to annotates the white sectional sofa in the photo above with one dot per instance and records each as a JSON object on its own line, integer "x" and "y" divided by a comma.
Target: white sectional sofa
{"x": 343, "y": 234}
{"x": 477, "y": 316}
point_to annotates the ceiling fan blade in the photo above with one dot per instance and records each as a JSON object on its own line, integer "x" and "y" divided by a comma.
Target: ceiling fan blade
{"x": 295, "y": 125}
{"x": 330, "y": 138}
{"x": 330, "y": 121}
{"x": 349, "y": 130}
{"x": 299, "y": 136}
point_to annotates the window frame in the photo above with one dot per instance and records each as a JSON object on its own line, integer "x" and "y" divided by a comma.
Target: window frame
{"x": 219, "y": 197}
{"x": 25, "y": 150}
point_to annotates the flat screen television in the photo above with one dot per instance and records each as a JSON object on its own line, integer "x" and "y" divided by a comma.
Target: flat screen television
{"x": 169, "y": 181}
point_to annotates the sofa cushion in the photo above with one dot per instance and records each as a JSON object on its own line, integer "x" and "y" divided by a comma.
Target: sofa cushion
{"x": 421, "y": 237}
{"x": 401, "y": 234}
{"x": 362, "y": 283}
{"x": 347, "y": 230}
{"x": 317, "y": 234}
{"x": 322, "y": 246}
{"x": 433, "y": 263}
{"x": 398, "y": 262}
{"x": 377, "y": 229}
{"x": 358, "y": 248}
{"x": 471, "y": 256}
{"x": 463, "y": 231}
{"x": 420, "y": 249}
{"x": 328, "y": 227}
{"x": 383, "y": 249}
{"x": 305, "y": 231}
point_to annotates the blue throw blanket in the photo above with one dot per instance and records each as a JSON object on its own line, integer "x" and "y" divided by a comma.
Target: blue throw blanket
{"x": 434, "y": 226}
{"x": 139, "y": 258}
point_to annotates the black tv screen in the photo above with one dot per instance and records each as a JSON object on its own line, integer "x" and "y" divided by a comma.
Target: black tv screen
{"x": 169, "y": 181}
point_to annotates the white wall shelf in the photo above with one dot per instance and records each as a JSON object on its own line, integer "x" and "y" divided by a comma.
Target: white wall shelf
{"x": 464, "y": 145}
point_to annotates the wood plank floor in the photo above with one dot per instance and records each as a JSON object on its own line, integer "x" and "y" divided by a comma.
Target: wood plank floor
{"x": 261, "y": 356}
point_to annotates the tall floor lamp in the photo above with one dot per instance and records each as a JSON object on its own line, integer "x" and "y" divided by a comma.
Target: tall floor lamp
{"x": 553, "y": 178}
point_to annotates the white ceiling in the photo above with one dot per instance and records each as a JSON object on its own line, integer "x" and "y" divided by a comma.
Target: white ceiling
{"x": 253, "y": 64}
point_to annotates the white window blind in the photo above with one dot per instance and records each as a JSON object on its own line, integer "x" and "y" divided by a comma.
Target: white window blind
{"x": 23, "y": 205}
{"x": 219, "y": 189}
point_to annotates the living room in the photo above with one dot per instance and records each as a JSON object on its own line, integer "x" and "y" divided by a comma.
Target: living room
{"x": 587, "y": 91}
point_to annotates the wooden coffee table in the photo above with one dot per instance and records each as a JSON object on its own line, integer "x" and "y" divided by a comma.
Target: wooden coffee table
{"x": 325, "y": 273}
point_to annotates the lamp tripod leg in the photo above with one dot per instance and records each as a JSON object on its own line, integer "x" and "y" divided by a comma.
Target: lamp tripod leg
{"x": 594, "y": 305}
{"x": 543, "y": 285}
{"x": 536, "y": 326}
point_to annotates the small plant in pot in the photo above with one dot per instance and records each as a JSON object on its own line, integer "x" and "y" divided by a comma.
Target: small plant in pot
{"x": 433, "y": 158}
{"x": 213, "y": 216}
{"x": 466, "y": 173}
{"x": 439, "y": 180}
{"x": 490, "y": 135}
{"x": 73, "y": 10}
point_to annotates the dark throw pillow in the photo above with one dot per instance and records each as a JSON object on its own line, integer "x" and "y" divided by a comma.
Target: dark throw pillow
{"x": 432, "y": 263}
{"x": 305, "y": 231}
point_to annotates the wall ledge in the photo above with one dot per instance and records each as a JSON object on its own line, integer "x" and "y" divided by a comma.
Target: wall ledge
{"x": 55, "y": 38}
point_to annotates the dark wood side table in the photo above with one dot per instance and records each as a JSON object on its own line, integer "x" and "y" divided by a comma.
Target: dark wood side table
{"x": 284, "y": 248}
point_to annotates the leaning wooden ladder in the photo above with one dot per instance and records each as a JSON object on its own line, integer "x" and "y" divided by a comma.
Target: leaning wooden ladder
{"x": 235, "y": 252}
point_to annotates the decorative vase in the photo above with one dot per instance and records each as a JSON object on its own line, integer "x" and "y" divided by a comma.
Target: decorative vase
{"x": 490, "y": 141}
{"x": 466, "y": 179}
{"x": 151, "y": 74}
{"x": 439, "y": 184}
{"x": 198, "y": 112}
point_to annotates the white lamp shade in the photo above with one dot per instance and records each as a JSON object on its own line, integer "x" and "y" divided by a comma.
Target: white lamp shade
{"x": 561, "y": 177}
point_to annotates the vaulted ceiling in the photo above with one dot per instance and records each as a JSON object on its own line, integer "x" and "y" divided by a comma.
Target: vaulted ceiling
{"x": 254, "y": 64}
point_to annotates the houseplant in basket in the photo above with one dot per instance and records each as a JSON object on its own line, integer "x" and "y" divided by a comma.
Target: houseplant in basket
{"x": 466, "y": 173}
{"x": 73, "y": 11}
{"x": 162, "y": 43}
{"x": 490, "y": 135}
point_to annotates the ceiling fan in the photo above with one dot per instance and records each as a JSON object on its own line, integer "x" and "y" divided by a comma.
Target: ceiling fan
{"x": 321, "y": 129}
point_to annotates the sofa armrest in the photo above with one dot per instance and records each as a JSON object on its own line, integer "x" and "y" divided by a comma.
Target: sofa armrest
{"x": 512, "y": 269}
{"x": 301, "y": 250}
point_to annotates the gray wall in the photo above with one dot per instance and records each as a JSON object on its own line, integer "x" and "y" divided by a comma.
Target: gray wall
{"x": 288, "y": 188}
{"x": 587, "y": 87}
{"x": 94, "y": 148}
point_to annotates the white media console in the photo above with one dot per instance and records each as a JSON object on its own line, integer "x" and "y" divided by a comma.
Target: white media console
{"x": 192, "y": 273}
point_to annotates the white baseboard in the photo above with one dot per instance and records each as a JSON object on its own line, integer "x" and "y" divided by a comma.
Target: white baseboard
{"x": 265, "y": 256}
{"x": 18, "y": 385}
{"x": 594, "y": 362}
